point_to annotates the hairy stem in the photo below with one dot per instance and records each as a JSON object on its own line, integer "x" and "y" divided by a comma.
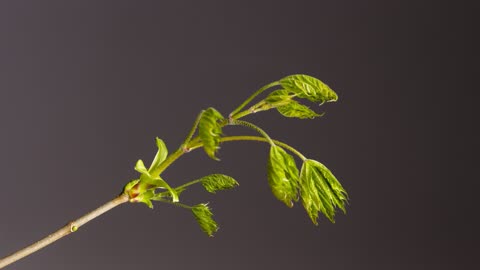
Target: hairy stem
{"x": 242, "y": 114}
{"x": 258, "y": 92}
{"x": 192, "y": 131}
{"x": 254, "y": 138}
{"x": 64, "y": 231}
{"x": 254, "y": 127}
{"x": 173, "y": 203}
{"x": 189, "y": 184}
{"x": 252, "y": 109}
{"x": 261, "y": 106}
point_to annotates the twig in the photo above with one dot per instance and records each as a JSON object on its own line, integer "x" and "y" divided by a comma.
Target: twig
{"x": 64, "y": 231}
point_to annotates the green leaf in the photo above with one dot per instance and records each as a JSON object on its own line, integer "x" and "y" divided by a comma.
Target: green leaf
{"x": 203, "y": 215}
{"x": 215, "y": 182}
{"x": 283, "y": 175}
{"x": 140, "y": 167}
{"x": 338, "y": 194}
{"x": 161, "y": 155}
{"x": 320, "y": 191}
{"x": 279, "y": 96}
{"x": 210, "y": 130}
{"x": 308, "y": 87}
{"x": 295, "y": 109}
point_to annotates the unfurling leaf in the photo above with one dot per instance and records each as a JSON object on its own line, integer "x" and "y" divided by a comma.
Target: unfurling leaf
{"x": 160, "y": 156}
{"x": 130, "y": 185}
{"x": 215, "y": 182}
{"x": 148, "y": 182}
{"x": 308, "y": 87}
{"x": 145, "y": 198}
{"x": 320, "y": 191}
{"x": 203, "y": 215}
{"x": 210, "y": 130}
{"x": 295, "y": 109}
{"x": 283, "y": 175}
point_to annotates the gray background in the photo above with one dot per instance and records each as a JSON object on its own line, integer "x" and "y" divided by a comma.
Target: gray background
{"x": 85, "y": 87}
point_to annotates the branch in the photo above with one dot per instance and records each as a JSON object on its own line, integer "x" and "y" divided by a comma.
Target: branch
{"x": 64, "y": 231}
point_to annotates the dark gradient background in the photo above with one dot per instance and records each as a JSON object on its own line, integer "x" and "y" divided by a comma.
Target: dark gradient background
{"x": 86, "y": 86}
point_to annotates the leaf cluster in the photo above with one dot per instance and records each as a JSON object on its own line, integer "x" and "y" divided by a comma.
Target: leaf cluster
{"x": 318, "y": 188}
{"x": 314, "y": 184}
{"x": 144, "y": 189}
{"x": 320, "y": 191}
{"x": 300, "y": 87}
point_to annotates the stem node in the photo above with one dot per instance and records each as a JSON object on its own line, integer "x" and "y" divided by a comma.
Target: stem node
{"x": 185, "y": 149}
{"x": 73, "y": 227}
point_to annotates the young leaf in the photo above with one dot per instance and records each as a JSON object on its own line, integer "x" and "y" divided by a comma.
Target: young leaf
{"x": 309, "y": 87}
{"x": 320, "y": 191}
{"x": 295, "y": 109}
{"x": 279, "y": 96}
{"x": 210, "y": 130}
{"x": 203, "y": 215}
{"x": 161, "y": 154}
{"x": 338, "y": 194}
{"x": 215, "y": 182}
{"x": 283, "y": 175}
{"x": 140, "y": 167}
{"x": 313, "y": 198}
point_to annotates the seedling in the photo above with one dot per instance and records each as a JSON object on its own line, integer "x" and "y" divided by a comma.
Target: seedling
{"x": 314, "y": 185}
